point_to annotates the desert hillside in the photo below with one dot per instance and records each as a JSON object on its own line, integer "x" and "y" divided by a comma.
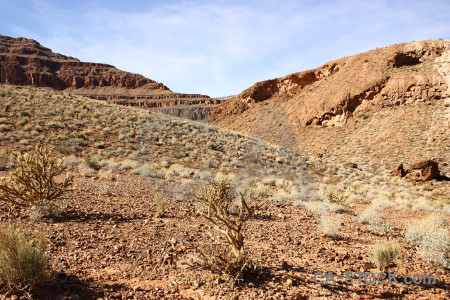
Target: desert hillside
{"x": 379, "y": 108}
{"x": 132, "y": 227}
{"x": 26, "y": 62}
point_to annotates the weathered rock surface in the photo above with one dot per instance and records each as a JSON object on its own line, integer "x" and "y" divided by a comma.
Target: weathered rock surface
{"x": 341, "y": 89}
{"x": 191, "y": 112}
{"x": 379, "y": 107}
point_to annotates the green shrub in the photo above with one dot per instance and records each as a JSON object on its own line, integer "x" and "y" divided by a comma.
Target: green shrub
{"x": 212, "y": 146}
{"x": 23, "y": 121}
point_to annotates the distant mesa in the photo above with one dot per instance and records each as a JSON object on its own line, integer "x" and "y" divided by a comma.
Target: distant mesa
{"x": 26, "y": 62}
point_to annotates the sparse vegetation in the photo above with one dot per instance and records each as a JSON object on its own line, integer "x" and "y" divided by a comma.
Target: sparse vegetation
{"x": 4, "y": 127}
{"x": 156, "y": 149}
{"x": 92, "y": 162}
{"x": 376, "y": 223}
{"x": 33, "y": 184}
{"x": 212, "y": 146}
{"x": 160, "y": 205}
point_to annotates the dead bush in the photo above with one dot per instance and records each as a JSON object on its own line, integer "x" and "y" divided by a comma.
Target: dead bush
{"x": 33, "y": 184}
{"x": 225, "y": 251}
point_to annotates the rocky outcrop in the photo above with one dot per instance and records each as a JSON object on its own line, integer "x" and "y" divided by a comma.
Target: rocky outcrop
{"x": 424, "y": 171}
{"x": 399, "y": 171}
{"x": 26, "y": 62}
{"x": 191, "y": 112}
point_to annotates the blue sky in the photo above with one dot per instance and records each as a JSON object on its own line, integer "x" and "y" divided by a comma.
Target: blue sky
{"x": 219, "y": 48}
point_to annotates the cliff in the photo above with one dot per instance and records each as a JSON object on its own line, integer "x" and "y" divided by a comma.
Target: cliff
{"x": 26, "y": 62}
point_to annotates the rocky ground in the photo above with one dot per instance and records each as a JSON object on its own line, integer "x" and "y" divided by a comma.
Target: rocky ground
{"x": 109, "y": 244}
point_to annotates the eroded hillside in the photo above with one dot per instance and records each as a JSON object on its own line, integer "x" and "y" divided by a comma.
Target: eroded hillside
{"x": 381, "y": 107}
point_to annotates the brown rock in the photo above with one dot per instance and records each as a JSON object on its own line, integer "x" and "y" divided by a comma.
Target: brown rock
{"x": 424, "y": 171}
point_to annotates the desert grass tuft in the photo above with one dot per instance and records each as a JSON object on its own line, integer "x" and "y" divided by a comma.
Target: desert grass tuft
{"x": 384, "y": 254}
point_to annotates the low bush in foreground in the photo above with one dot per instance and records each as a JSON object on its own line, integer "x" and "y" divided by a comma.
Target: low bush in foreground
{"x": 384, "y": 254}
{"x": 430, "y": 236}
{"x": 330, "y": 224}
{"x": 22, "y": 261}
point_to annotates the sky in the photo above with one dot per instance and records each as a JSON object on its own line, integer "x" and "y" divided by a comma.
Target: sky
{"x": 219, "y": 48}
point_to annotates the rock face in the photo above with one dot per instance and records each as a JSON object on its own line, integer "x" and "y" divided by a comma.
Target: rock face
{"x": 26, "y": 62}
{"x": 355, "y": 107}
{"x": 399, "y": 171}
{"x": 350, "y": 86}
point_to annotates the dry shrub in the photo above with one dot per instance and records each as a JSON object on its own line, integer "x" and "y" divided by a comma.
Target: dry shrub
{"x": 376, "y": 223}
{"x": 33, "y": 184}
{"x": 330, "y": 224}
{"x": 22, "y": 260}
{"x": 225, "y": 250}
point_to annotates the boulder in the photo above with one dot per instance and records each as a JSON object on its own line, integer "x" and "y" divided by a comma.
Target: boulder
{"x": 424, "y": 171}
